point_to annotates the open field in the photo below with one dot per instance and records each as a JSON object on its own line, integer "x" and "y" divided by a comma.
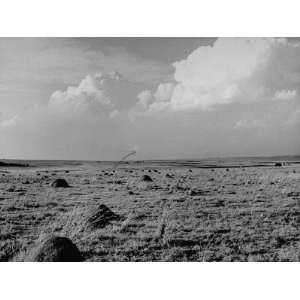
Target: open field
{"x": 237, "y": 211}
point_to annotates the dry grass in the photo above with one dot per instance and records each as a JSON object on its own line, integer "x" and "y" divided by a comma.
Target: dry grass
{"x": 241, "y": 215}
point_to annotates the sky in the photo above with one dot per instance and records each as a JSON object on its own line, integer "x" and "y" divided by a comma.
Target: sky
{"x": 165, "y": 98}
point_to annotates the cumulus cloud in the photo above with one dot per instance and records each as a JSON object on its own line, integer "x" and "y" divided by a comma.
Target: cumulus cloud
{"x": 114, "y": 114}
{"x": 10, "y": 122}
{"x": 232, "y": 70}
{"x": 249, "y": 124}
{"x": 149, "y": 102}
{"x": 285, "y": 94}
{"x": 233, "y": 87}
{"x": 92, "y": 95}
{"x": 95, "y": 97}
{"x": 85, "y": 114}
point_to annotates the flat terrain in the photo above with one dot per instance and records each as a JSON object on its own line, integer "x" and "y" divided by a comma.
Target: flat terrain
{"x": 187, "y": 213}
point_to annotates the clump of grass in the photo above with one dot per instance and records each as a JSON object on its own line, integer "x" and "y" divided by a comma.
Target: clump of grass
{"x": 290, "y": 253}
{"x": 70, "y": 229}
{"x": 126, "y": 223}
{"x": 8, "y": 249}
{"x": 67, "y": 226}
{"x": 24, "y": 254}
{"x": 161, "y": 228}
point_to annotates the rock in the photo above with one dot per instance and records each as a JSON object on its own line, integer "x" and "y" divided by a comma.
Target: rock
{"x": 193, "y": 193}
{"x": 146, "y": 178}
{"x": 11, "y": 189}
{"x": 57, "y": 183}
{"x": 56, "y": 249}
{"x": 220, "y": 203}
{"x": 198, "y": 192}
{"x": 100, "y": 217}
{"x": 118, "y": 182}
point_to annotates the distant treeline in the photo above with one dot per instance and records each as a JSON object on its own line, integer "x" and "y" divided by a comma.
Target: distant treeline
{"x": 5, "y": 164}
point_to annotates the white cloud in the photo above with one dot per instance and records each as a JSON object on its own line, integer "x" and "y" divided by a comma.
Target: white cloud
{"x": 89, "y": 118}
{"x": 285, "y": 94}
{"x": 114, "y": 114}
{"x": 96, "y": 97}
{"x": 232, "y": 70}
{"x": 91, "y": 95}
{"x": 164, "y": 92}
{"x": 86, "y": 114}
{"x": 10, "y": 122}
{"x": 249, "y": 124}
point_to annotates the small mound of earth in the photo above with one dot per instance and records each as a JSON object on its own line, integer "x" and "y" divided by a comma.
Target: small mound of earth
{"x": 146, "y": 178}
{"x": 57, "y": 183}
{"x": 56, "y": 249}
{"x": 100, "y": 217}
{"x": 198, "y": 192}
{"x": 169, "y": 175}
{"x": 11, "y": 189}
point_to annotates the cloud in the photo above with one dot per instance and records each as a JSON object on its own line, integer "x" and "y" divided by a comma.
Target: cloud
{"x": 232, "y": 70}
{"x": 149, "y": 103}
{"x": 11, "y": 122}
{"x": 81, "y": 121}
{"x": 48, "y": 60}
{"x": 231, "y": 98}
{"x": 95, "y": 97}
{"x": 90, "y": 96}
{"x": 114, "y": 114}
{"x": 285, "y": 94}
{"x": 249, "y": 124}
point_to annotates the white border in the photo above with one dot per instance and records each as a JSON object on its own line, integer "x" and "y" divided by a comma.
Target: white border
{"x": 149, "y": 280}
{"x": 149, "y": 18}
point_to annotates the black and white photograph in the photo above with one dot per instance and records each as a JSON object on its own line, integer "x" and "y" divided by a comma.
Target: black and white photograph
{"x": 146, "y": 148}
{"x": 150, "y": 149}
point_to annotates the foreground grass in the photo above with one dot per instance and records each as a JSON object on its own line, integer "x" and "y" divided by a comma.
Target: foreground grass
{"x": 248, "y": 214}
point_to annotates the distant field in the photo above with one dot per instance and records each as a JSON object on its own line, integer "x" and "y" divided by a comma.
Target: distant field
{"x": 239, "y": 209}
